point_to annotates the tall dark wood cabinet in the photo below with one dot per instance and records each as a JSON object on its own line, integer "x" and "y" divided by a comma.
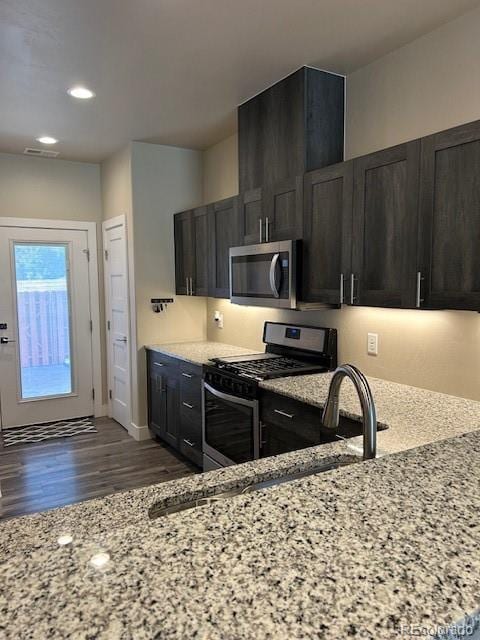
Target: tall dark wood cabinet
{"x": 252, "y": 219}
{"x": 385, "y": 213}
{"x": 294, "y": 126}
{"x": 191, "y": 248}
{"x": 449, "y": 247}
{"x": 184, "y": 248}
{"x": 282, "y": 209}
{"x": 224, "y": 231}
{"x": 327, "y": 234}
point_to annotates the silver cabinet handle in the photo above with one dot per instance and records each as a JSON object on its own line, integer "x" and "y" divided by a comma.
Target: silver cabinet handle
{"x": 260, "y": 224}
{"x": 267, "y": 230}
{"x": 419, "y": 299}
{"x": 191, "y": 286}
{"x": 352, "y": 288}
{"x": 284, "y": 414}
{"x": 273, "y": 283}
{"x": 189, "y": 442}
{"x": 5, "y": 340}
{"x": 342, "y": 288}
{"x": 186, "y": 280}
{"x": 189, "y": 406}
{"x": 158, "y": 364}
{"x": 186, "y": 375}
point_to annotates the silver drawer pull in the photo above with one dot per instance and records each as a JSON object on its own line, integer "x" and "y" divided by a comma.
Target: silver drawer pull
{"x": 189, "y": 442}
{"x": 187, "y": 375}
{"x": 158, "y": 364}
{"x": 189, "y": 406}
{"x": 284, "y": 414}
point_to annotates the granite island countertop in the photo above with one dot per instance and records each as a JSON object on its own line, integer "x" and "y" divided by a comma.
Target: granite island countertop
{"x": 375, "y": 550}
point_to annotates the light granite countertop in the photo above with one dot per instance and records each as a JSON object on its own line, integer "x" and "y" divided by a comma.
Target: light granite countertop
{"x": 199, "y": 352}
{"x": 279, "y": 563}
{"x": 375, "y": 550}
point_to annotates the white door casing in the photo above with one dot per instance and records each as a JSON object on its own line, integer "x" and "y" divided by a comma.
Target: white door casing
{"x": 117, "y": 319}
{"x": 17, "y": 406}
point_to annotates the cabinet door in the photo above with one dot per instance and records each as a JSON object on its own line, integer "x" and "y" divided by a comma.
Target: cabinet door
{"x": 170, "y": 432}
{"x": 251, "y": 216}
{"x": 449, "y": 256}
{"x": 163, "y": 398}
{"x": 385, "y": 213}
{"x": 327, "y": 233}
{"x": 200, "y": 242}
{"x": 224, "y": 233}
{"x": 283, "y": 205}
{"x": 156, "y": 402}
{"x": 184, "y": 251}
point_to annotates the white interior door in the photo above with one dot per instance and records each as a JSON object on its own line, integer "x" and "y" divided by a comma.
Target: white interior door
{"x": 45, "y": 326}
{"x": 118, "y": 319}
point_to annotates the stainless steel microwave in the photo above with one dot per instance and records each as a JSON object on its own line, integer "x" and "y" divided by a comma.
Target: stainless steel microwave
{"x": 265, "y": 274}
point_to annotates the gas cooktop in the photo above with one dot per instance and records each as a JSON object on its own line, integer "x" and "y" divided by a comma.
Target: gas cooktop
{"x": 264, "y": 366}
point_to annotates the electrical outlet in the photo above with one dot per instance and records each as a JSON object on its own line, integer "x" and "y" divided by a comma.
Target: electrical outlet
{"x": 218, "y": 317}
{"x": 372, "y": 344}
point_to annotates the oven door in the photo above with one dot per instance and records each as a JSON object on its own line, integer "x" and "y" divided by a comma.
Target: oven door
{"x": 264, "y": 274}
{"x": 231, "y": 428}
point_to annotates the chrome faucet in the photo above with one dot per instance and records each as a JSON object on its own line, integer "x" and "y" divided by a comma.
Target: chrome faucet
{"x": 330, "y": 415}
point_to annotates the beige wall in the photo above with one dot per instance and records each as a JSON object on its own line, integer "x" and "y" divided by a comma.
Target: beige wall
{"x": 164, "y": 180}
{"x": 221, "y": 162}
{"x": 50, "y": 189}
{"x": 428, "y": 85}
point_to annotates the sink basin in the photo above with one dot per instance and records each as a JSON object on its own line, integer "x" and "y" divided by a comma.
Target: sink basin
{"x": 159, "y": 510}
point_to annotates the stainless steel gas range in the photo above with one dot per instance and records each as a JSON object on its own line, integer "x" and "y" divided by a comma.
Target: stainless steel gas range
{"x": 230, "y": 397}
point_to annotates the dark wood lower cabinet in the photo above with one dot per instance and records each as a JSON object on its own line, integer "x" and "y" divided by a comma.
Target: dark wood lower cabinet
{"x": 174, "y": 404}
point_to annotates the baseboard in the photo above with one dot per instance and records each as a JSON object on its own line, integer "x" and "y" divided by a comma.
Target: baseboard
{"x": 139, "y": 433}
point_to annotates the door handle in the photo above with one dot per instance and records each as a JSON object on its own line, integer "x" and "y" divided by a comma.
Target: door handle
{"x": 273, "y": 280}
{"x": 124, "y": 339}
{"x": 284, "y": 414}
{"x": 352, "y": 288}
{"x": 419, "y": 299}
{"x": 5, "y": 340}
{"x": 260, "y": 223}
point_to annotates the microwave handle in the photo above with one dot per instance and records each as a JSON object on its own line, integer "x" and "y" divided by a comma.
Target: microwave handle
{"x": 273, "y": 273}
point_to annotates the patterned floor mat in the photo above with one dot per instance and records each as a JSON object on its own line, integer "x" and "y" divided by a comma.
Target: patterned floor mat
{"x": 40, "y": 432}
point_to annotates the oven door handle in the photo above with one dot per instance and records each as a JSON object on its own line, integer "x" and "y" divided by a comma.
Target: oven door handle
{"x": 228, "y": 398}
{"x": 273, "y": 275}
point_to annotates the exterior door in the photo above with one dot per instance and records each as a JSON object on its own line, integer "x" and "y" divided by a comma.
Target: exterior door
{"x": 118, "y": 319}
{"x": 45, "y": 326}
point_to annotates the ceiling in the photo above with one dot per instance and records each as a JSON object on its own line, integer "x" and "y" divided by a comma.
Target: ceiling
{"x": 173, "y": 71}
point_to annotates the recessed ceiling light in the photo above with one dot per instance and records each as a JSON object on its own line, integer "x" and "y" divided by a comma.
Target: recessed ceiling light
{"x": 82, "y": 93}
{"x": 47, "y": 140}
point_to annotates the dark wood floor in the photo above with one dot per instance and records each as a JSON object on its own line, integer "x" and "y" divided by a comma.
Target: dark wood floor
{"x": 36, "y": 477}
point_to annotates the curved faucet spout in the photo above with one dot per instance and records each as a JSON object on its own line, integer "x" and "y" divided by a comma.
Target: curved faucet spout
{"x": 330, "y": 415}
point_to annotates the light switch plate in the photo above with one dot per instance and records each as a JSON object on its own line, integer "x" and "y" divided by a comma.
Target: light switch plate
{"x": 372, "y": 344}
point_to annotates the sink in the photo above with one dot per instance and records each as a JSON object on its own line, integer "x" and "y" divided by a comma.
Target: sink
{"x": 159, "y": 510}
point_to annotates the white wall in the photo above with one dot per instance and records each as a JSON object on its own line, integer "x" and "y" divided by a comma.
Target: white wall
{"x": 47, "y": 188}
{"x": 429, "y": 85}
{"x": 164, "y": 180}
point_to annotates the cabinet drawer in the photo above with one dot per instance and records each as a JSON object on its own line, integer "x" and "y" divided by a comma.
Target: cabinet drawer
{"x": 292, "y": 416}
{"x": 160, "y": 363}
{"x": 190, "y": 378}
{"x": 191, "y": 437}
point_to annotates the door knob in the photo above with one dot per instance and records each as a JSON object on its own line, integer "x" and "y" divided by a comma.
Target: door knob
{"x": 5, "y": 340}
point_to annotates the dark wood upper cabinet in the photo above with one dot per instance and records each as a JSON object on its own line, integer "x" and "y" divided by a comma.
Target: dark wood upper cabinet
{"x": 224, "y": 230}
{"x": 282, "y": 209}
{"x": 449, "y": 237}
{"x": 327, "y": 234}
{"x": 385, "y": 214}
{"x": 191, "y": 250}
{"x": 251, "y": 216}
{"x": 292, "y": 127}
{"x": 184, "y": 250}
